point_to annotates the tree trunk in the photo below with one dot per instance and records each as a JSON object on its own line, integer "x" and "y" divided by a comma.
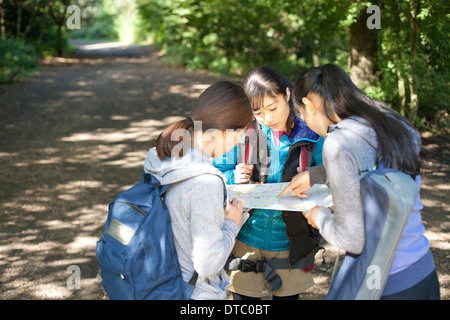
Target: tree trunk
{"x": 315, "y": 56}
{"x": 2, "y": 21}
{"x": 414, "y": 99}
{"x": 363, "y": 51}
{"x": 397, "y": 57}
{"x": 59, "y": 17}
{"x": 59, "y": 41}
{"x": 19, "y": 18}
{"x": 35, "y": 10}
{"x": 401, "y": 93}
{"x": 415, "y": 34}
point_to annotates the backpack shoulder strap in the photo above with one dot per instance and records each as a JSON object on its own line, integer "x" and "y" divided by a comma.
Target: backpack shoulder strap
{"x": 149, "y": 178}
{"x": 305, "y": 156}
{"x": 310, "y": 149}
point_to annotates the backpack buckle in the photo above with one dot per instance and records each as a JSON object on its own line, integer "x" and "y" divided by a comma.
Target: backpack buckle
{"x": 249, "y": 266}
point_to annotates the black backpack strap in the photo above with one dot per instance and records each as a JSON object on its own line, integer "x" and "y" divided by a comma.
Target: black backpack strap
{"x": 310, "y": 148}
{"x": 146, "y": 177}
{"x": 259, "y": 154}
{"x": 194, "y": 278}
{"x": 268, "y": 266}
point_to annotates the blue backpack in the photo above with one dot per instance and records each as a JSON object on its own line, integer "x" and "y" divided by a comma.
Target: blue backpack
{"x": 388, "y": 197}
{"x": 137, "y": 255}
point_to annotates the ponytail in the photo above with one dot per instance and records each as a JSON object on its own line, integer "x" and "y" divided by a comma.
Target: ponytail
{"x": 165, "y": 142}
{"x": 222, "y": 106}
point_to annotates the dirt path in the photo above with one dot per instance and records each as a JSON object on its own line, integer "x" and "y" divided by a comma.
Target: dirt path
{"x": 76, "y": 134}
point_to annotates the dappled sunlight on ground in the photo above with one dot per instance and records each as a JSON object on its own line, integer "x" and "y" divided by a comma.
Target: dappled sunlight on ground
{"x": 71, "y": 139}
{"x": 77, "y": 134}
{"x": 191, "y": 91}
{"x": 141, "y": 131}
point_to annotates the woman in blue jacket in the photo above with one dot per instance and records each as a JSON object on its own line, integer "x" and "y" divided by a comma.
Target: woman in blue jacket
{"x": 277, "y": 147}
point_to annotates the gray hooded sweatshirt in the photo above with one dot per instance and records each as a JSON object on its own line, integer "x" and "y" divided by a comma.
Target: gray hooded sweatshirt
{"x": 344, "y": 227}
{"x": 203, "y": 237}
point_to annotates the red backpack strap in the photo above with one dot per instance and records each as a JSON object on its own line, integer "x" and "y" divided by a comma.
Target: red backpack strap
{"x": 305, "y": 158}
{"x": 245, "y": 147}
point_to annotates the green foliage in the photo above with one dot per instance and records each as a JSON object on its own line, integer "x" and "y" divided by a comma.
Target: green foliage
{"x": 411, "y": 61}
{"x": 221, "y": 36}
{"x": 99, "y": 25}
{"x": 427, "y": 69}
{"x": 46, "y": 47}
{"x": 235, "y": 36}
{"x": 232, "y": 37}
{"x": 17, "y": 59}
{"x": 106, "y": 20}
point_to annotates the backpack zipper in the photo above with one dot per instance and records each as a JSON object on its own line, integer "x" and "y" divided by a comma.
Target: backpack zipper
{"x": 135, "y": 207}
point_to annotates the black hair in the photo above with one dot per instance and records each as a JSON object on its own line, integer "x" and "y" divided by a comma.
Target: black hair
{"x": 265, "y": 81}
{"x": 341, "y": 95}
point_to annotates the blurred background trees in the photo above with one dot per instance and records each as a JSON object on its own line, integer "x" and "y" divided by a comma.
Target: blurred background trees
{"x": 404, "y": 62}
{"x": 30, "y": 29}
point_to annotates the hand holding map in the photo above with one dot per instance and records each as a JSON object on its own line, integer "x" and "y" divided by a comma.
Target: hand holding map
{"x": 266, "y": 196}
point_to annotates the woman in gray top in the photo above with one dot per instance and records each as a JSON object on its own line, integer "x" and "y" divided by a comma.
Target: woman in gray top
{"x": 204, "y": 230}
{"x": 327, "y": 99}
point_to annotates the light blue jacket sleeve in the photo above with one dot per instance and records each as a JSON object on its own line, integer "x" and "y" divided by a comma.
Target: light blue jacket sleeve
{"x": 317, "y": 153}
{"x": 227, "y": 163}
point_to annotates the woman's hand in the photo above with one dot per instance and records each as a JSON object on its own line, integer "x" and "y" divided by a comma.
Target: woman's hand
{"x": 299, "y": 184}
{"x": 311, "y": 216}
{"x": 243, "y": 173}
{"x": 234, "y": 212}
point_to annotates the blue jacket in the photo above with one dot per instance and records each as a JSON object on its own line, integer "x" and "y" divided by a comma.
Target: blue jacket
{"x": 266, "y": 229}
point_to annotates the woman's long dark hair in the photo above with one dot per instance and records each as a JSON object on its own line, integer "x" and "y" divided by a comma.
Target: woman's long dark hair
{"x": 222, "y": 106}
{"x": 394, "y": 141}
{"x": 265, "y": 81}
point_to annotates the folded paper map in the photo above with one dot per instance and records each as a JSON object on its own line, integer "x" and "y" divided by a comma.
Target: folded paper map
{"x": 265, "y": 196}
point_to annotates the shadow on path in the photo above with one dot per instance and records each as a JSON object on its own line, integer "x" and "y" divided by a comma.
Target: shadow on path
{"x": 72, "y": 137}
{"x": 76, "y": 134}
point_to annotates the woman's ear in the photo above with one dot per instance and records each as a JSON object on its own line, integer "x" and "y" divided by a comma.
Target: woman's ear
{"x": 309, "y": 106}
{"x": 288, "y": 94}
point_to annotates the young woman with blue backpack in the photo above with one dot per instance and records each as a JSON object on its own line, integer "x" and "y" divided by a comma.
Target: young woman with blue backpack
{"x": 204, "y": 230}
{"x": 272, "y": 245}
{"x": 375, "y": 137}
{"x": 169, "y": 236}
